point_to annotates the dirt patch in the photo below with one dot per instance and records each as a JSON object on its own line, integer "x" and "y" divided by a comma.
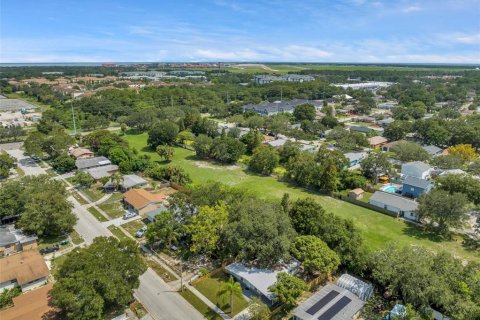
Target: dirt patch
{"x": 204, "y": 164}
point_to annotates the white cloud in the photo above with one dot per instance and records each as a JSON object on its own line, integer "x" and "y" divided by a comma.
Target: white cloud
{"x": 411, "y": 8}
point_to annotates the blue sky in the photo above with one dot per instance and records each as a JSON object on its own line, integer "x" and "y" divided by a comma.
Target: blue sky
{"x": 437, "y": 31}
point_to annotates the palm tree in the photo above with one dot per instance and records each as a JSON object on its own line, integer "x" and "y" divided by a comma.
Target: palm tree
{"x": 116, "y": 179}
{"x": 230, "y": 288}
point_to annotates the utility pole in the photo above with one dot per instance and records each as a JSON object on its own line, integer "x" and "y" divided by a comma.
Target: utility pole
{"x": 181, "y": 275}
{"x": 228, "y": 98}
{"x": 171, "y": 100}
{"x": 73, "y": 117}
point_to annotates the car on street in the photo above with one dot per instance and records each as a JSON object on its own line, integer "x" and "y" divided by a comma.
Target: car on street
{"x": 141, "y": 232}
{"x": 129, "y": 215}
{"x": 50, "y": 249}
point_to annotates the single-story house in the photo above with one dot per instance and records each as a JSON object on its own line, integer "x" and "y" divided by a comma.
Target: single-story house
{"x": 26, "y": 270}
{"x": 417, "y": 169}
{"x": 385, "y": 122}
{"x": 277, "y": 142}
{"x": 388, "y": 146}
{"x": 98, "y": 173}
{"x": 128, "y": 182}
{"x": 356, "y": 194}
{"x": 81, "y": 153}
{"x": 433, "y": 150}
{"x": 403, "y": 207}
{"x": 152, "y": 214}
{"x": 355, "y": 158}
{"x": 84, "y": 164}
{"x": 13, "y": 240}
{"x": 414, "y": 187}
{"x": 387, "y": 105}
{"x": 258, "y": 280}
{"x": 33, "y": 305}
{"x": 377, "y": 141}
{"x": 341, "y": 301}
{"x": 142, "y": 201}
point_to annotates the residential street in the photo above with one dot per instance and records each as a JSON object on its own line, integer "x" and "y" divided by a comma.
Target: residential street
{"x": 87, "y": 226}
{"x": 161, "y": 301}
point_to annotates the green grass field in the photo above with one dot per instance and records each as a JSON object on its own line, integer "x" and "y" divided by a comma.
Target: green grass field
{"x": 210, "y": 285}
{"x": 377, "y": 229}
{"x": 285, "y": 68}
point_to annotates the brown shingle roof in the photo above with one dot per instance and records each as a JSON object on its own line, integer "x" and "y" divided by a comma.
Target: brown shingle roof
{"x": 358, "y": 191}
{"x": 376, "y": 140}
{"x": 81, "y": 152}
{"x": 139, "y": 198}
{"x": 33, "y": 305}
{"x": 24, "y": 267}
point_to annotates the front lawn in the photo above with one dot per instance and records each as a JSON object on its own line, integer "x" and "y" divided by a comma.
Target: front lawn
{"x": 118, "y": 233}
{"x": 112, "y": 209}
{"x": 210, "y": 285}
{"x": 377, "y": 229}
{"x": 94, "y": 193}
{"x": 133, "y": 226}
{"x": 200, "y": 305}
{"x": 48, "y": 241}
{"x": 97, "y": 214}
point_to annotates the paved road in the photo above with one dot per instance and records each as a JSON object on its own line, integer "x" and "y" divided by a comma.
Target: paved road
{"x": 87, "y": 225}
{"x": 161, "y": 301}
{"x": 30, "y": 167}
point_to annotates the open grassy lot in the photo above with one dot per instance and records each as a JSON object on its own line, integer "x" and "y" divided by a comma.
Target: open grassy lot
{"x": 377, "y": 229}
{"x": 161, "y": 271}
{"x": 118, "y": 233}
{"x": 113, "y": 206}
{"x": 133, "y": 226}
{"x": 210, "y": 286}
{"x": 199, "y": 305}
{"x": 97, "y": 214}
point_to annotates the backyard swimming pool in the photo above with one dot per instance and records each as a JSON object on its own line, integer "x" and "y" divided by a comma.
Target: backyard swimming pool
{"x": 391, "y": 188}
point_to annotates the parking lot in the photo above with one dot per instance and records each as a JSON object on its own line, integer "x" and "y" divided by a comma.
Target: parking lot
{"x": 30, "y": 167}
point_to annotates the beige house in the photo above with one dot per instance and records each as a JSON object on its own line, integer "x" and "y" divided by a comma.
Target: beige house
{"x": 26, "y": 270}
{"x": 81, "y": 153}
{"x": 142, "y": 201}
{"x": 377, "y": 141}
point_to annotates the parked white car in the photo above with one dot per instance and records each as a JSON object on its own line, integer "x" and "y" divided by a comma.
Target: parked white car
{"x": 141, "y": 232}
{"x": 129, "y": 215}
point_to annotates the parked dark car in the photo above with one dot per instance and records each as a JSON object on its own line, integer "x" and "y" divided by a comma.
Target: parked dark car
{"x": 50, "y": 249}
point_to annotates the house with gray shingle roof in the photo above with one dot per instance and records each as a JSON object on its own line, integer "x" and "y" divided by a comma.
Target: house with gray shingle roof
{"x": 414, "y": 187}
{"x": 402, "y": 206}
{"x": 417, "y": 169}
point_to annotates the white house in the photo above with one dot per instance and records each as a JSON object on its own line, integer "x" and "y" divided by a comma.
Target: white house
{"x": 403, "y": 207}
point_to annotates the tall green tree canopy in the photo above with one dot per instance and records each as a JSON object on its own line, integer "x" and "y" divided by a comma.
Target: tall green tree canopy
{"x": 100, "y": 278}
